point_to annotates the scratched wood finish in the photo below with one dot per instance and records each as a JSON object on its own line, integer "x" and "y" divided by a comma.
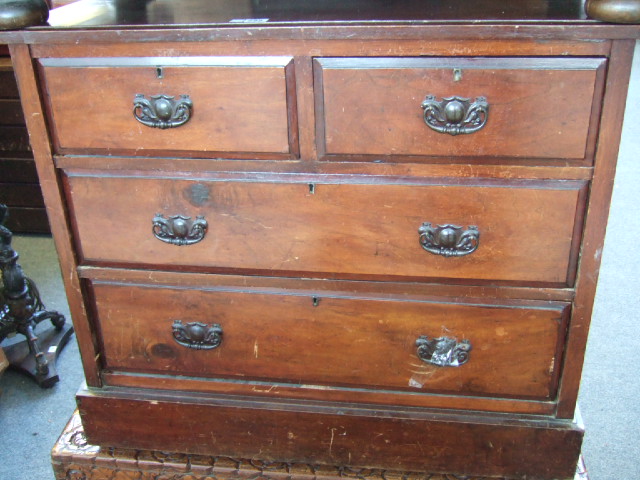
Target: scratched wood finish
{"x": 235, "y": 108}
{"x": 339, "y": 341}
{"x": 349, "y": 229}
{"x": 72, "y": 455}
{"x": 409, "y": 290}
{"x": 537, "y": 191}
{"x": 412, "y": 45}
{"x": 537, "y": 108}
{"x": 328, "y": 433}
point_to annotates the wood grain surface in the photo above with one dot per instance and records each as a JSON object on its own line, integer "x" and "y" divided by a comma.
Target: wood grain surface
{"x": 325, "y": 433}
{"x": 526, "y": 229}
{"x": 235, "y": 107}
{"x": 537, "y": 108}
{"x": 333, "y": 341}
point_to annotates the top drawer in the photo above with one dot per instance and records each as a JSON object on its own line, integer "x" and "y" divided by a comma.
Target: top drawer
{"x": 534, "y": 108}
{"x": 244, "y": 105}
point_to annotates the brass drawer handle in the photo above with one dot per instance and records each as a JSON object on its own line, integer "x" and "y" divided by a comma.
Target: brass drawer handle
{"x": 443, "y": 351}
{"x": 179, "y": 230}
{"x": 455, "y": 115}
{"x": 196, "y": 335}
{"x": 449, "y": 240}
{"x": 162, "y": 111}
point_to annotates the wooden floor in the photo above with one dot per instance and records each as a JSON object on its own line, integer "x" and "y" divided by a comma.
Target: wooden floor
{"x": 74, "y": 459}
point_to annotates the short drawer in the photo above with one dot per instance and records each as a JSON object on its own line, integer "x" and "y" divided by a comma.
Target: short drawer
{"x": 446, "y": 107}
{"x": 210, "y": 104}
{"x": 335, "y": 340}
{"x": 524, "y": 232}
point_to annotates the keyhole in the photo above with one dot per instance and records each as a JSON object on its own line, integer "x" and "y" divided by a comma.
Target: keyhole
{"x": 159, "y": 72}
{"x": 315, "y": 301}
{"x": 312, "y": 188}
{"x": 457, "y": 74}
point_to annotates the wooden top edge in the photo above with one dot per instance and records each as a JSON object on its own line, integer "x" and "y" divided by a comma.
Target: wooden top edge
{"x": 576, "y": 31}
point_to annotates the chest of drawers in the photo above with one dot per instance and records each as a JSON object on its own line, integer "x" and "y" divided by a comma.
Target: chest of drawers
{"x": 326, "y": 238}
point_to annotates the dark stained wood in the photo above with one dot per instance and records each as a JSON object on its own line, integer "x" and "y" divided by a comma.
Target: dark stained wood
{"x": 280, "y": 337}
{"x": 620, "y": 11}
{"x": 466, "y": 168}
{"x": 72, "y": 456}
{"x": 19, "y": 170}
{"x": 333, "y": 213}
{"x": 239, "y": 104}
{"x": 371, "y": 46}
{"x": 409, "y": 290}
{"x": 354, "y": 11}
{"x": 329, "y": 393}
{"x": 20, "y": 194}
{"x": 14, "y": 139}
{"x": 11, "y": 112}
{"x": 8, "y": 87}
{"x": 19, "y": 188}
{"x": 537, "y": 108}
{"x": 28, "y": 220}
{"x": 580, "y": 31}
{"x": 332, "y": 434}
{"x": 373, "y": 229}
{"x": 26, "y": 13}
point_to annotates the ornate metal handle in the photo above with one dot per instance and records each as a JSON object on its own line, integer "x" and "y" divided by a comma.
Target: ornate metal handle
{"x": 179, "y": 230}
{"x": 449, "y": 240}
{"x": 443, "y": 351}
{"x": 162, "y": 111}
{"x": 196, "y": 335}
{"x": 455, "y": 115}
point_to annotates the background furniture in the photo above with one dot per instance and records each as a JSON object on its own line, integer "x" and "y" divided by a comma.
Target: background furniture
{"x": 19, "y": 187}
{"x": 4, "y": 363}
{"x": 21, "y": 311}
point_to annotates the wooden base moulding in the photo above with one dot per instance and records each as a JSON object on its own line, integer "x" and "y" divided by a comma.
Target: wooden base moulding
{"x": 331, "y": 433}
{"x": 74, "y": 458}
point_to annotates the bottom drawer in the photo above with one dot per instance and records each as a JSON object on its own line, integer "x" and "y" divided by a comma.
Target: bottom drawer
{"x": 366, "y": 342}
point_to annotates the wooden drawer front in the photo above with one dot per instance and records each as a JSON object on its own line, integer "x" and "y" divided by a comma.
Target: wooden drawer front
{"x": 238, "y": 104}
{"x": 526, "y": 232}
{"x": 538, "y": 108}
{"x": 332, "y": 341}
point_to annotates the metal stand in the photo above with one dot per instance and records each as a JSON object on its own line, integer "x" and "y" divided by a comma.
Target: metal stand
{"x": 21, "y": 310}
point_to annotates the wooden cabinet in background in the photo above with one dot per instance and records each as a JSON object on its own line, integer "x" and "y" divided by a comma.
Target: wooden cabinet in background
{"x": 19, "y": 187}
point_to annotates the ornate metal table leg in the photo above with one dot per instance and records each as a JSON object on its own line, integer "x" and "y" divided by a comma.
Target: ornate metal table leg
{"x": 21, "y": 310}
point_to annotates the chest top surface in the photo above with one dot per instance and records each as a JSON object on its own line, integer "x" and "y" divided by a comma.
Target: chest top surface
{"x": 323, "y": 19}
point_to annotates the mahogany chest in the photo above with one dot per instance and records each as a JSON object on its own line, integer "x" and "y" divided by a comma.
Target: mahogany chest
{"x": 360, "y": 234}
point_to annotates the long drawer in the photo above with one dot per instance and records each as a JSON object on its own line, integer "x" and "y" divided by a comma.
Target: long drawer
{"x": 475, "y": 107}
{"x": 302, "y": 339}
{"x": 517, "y": 232}
{"x": 210, "y": 104}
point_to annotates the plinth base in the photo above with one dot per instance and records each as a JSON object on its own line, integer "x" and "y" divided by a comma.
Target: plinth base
{"x": 73, "y": 458}
{"x": 51, "y": 343}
